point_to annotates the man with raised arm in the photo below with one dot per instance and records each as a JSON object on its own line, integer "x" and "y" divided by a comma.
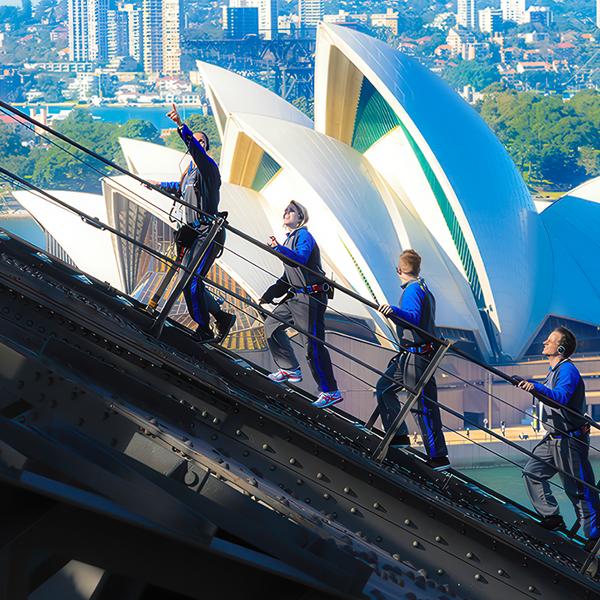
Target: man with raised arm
{"x": 417, "y": 306}
{"x": 566, "y": 445}
{"x": 199, "y": 187}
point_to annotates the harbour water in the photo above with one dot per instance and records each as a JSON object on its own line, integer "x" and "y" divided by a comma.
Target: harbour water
{"x": 157, "y": 115}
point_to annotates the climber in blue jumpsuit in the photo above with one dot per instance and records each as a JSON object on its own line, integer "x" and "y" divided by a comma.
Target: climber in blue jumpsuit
{"x": 417, "y": 306}
{"x": 199, "y": 186}
{"x": 567, "y": 443}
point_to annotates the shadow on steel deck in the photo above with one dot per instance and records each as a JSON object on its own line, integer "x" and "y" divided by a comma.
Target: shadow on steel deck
{"x": 183, "y": 472}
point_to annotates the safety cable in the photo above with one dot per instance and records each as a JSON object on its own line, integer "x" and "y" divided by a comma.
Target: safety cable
{"x": 404, "y": 348}
{"x": 343, "y": 289}
{"x": 166, "y": 260}
{"x": 90, "y": 166}
{"x": 93, "y": 221}
{"x": 96, "y": 223}
{"x": 504, "y": 458}
{"x": 515, "y": 407}
{"x": 374, "y": 370}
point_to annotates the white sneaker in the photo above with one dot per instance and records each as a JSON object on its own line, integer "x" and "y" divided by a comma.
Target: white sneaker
{"x": 327, "y": 399}
{"x": 283, "y": 376}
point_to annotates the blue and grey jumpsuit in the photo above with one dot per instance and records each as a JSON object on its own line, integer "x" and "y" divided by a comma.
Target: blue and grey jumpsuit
{"x": 417, "y": 306}
{"x": 199, "y": 187}
{"x": 304, "y": 309}
{"x": 566, "y": 451}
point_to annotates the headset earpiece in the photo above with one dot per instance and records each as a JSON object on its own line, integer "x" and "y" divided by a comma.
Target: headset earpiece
{"x": 561, "y": 349}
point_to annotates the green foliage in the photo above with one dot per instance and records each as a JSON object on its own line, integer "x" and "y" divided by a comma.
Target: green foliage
{"x": 479, "y": 74}
{"x": 554, "y": 143}
{"x": 140, "y": 130}
{"x": 197, "y": 122}
{"x": 50, "y": 166}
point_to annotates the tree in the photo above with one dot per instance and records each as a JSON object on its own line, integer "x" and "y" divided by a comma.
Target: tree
{"x": 141, "y": 130}
{"x": 479, "y": 74}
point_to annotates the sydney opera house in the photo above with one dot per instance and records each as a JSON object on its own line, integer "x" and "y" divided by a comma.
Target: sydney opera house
{"x": 394, "y": 160}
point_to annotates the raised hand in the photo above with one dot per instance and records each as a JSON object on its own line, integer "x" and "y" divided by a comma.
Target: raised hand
{"x": 174, "y": 115}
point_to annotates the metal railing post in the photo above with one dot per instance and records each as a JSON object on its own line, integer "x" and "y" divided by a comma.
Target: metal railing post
{"x": 164, "y": 284}
{"x": 195, "y": 256}
{"x": 382, "y": 449}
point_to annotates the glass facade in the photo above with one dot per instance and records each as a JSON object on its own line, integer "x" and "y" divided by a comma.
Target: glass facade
{"x": 267, "y": 169}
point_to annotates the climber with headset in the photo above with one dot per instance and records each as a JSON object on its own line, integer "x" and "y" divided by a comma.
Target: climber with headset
{"x": 417, "y": 306}
{"x": 566, "y": 444}
{"x": 199, "y": 186}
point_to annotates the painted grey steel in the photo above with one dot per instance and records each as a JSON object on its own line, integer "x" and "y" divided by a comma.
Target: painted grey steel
{"x": 382, "y": 449}
{"x": 195, "y": 257}
{"x": 74, "y": 354}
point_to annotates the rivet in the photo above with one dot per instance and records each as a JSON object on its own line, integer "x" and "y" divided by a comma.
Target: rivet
{"x": 438, "y": 538}
{"x": 378, "y": 538}
{"x": 353, "y": 510}
{"x": 319, "y": 475}
{"x": 500, "y": 572}
{"x": 292, "y": 461}
{"x": 307, "y": 501}
{"x": 396, "y": 556}
{"x": 415, "y": 544}
{"x": 376, "y": 505}
{"x": 265, "y": 446}
{"x": 440, "y": 571}
{"x": 469, "y": 555}
{"x": 216, "y": 420}
{"x": 347, "y": 490}
{"x": 299, "y": 481}
{"x": 326, "y": 496}
{"x": 477, "y": 577}
{"x": 407, "y": 522}
{"x": 204, "y": 414}
{"x": 272, "y": 467}
{"x": 531, "y": 588}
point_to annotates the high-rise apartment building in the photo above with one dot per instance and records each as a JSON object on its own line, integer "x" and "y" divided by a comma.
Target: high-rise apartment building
{"x": 490, "y": 20}
{"x": 268, "y": 13}
{"x": 118, "y": 33}
{"x": 88, "y": 30}
{"x": 152, "y": 29}
{"x": 310, "y": 12}
{"x": 135, "y": 29}
{"x": 466, "y": 15}
{"x": 513, "y": 10}
{"x": 161, "y": 24}
{"x": 171, "y": 34}
{"x": 240, "y": 21}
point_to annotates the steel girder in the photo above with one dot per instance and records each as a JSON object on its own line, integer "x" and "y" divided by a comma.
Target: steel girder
{"x": 80, "y": 373}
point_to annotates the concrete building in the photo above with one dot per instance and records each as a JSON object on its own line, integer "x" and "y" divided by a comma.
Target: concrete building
{"x": 118, "y": 33}
{"x": 88, "y": 30}
{"x": 268, "y": 13}
{"x": 432, "y": 176}
{"x": 490, "y": 20}
{"x": 135, "y": 28}
{"x": 162, "y": 36}
{"x": 310, "y": 12}
{"x": 541, "y": 15}
{"x": 171, "y": 36}
{"x": 240, "y": 21}
{"x": 388, "y": 19}
{"x": 466, "y": 15}
{"x": 152, "y": 36}
{"x": 513, "y": 10}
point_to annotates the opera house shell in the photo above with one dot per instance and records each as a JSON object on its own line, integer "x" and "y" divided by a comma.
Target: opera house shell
{"x": 394, "y": 160}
